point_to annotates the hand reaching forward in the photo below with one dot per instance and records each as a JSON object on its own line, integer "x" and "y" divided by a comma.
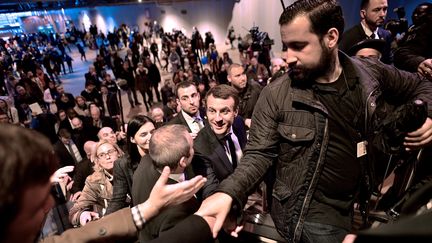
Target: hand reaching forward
{"x": 61, "y": 175}
{"x": 217, "y": 206}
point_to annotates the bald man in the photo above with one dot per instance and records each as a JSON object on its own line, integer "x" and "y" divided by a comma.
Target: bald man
{"x": 82, "y": 170}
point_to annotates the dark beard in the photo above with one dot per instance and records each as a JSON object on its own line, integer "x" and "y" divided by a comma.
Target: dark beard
{"x": 305, "y": 77}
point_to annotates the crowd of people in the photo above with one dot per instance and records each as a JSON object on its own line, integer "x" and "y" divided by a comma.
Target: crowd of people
{"x": 306, "y": 123}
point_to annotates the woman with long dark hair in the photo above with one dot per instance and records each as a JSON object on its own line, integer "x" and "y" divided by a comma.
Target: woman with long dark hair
{"x": 138, "y": 135}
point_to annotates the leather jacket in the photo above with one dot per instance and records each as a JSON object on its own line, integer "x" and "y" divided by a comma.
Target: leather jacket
{"x": 290, "y": 133}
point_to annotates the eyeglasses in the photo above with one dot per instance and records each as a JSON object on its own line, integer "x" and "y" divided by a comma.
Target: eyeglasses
{"x": 104, "y": 154}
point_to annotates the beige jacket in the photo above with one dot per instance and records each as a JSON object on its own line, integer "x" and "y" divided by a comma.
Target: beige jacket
{"x": 94, "y": 197}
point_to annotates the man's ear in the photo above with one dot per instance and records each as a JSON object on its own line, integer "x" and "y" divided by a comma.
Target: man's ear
{"x": 331, "y": 38}
{"x": 362, "y": 14}
{"x": 183, "y": 162}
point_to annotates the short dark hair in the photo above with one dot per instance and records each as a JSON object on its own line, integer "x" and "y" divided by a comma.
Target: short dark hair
{"x": 168, "y": 145}
{"x": 183, "y": 85}
{"x": 323, "y": 15}
{"x": 234, "y": 65}
{"x": 26, "y": 159}
{"x": 64, "y": 133}
{"x": 224, "y": 92}
{"x": 364, "y": 4}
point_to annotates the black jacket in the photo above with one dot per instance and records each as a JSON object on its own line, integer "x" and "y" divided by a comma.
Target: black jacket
{"x": 415, "y": 49}
{"x": 122, "y": 185}
{"x": 289, "y": 130}
{"x": 179, "y": 119}
{"x": 144, "y": 179}
{"x": 210, "y": 158}
{"x": 248, "y": 99}
{"x": 356, "y": 34}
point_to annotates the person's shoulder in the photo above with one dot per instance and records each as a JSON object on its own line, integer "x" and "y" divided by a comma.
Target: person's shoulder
{"x": 177, "y": 119}
{"x": 254, "y": 86}
{"x": 203, "y": 135}
{"x": 96, "y": 177}
{"x": 354, "y": 29}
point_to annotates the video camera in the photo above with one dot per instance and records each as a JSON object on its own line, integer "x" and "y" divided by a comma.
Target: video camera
{"x": 392, "y": 130}
{"x": 400, "y": 25}
{"x": 260, "y": 39}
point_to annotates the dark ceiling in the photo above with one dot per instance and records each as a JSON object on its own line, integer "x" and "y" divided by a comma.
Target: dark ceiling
{"x": 11, "y": 6}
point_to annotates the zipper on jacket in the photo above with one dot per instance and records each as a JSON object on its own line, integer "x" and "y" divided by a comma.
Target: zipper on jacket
{"x": 310, "y": 185}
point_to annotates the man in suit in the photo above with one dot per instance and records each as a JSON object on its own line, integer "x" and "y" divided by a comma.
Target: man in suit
{"x": 66, "y": 150}
{"x": 372, "y": 14}
{"x": 171, "y": 146}
{"x": 96, "y": 121}
{"x": 219, "y": 145}
{"x": 188, "y": 98}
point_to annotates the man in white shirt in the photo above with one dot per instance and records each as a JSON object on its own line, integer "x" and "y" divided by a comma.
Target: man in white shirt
{"x": 372, "y": 15}
{"x": 188, "y": 98}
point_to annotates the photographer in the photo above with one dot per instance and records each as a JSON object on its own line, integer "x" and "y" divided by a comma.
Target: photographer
{"x": 415, "y": 54}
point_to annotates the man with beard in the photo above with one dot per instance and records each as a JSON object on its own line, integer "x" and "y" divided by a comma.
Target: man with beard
{"x": 249, "y": 91}
{"x": 312, "y": 126}
{"x": 372, "y": 14}
{"x": 188, "y": 98}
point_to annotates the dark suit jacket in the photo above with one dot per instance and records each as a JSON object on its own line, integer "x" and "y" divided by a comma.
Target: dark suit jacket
{"x": 210, "y": 158}
{"x": 81, "y": 170}
{"x": 179, "y": 119}
{"x": 144, "y": 178}
{"x": 65, "y": 158}
{"x": 356, "y": 34}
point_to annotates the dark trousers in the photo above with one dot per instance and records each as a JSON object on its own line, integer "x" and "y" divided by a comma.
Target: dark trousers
{"x": 322, "y": 233}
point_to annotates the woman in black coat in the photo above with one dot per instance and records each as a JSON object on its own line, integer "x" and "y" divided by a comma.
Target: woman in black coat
{"x": 138, "y": 135}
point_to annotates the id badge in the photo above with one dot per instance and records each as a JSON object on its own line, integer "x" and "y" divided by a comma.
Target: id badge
{"x": 361, "y": 149}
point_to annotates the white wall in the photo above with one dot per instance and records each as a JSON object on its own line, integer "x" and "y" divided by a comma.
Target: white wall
{"x": 207, "y": 15}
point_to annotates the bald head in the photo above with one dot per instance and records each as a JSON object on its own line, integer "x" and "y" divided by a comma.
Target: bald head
{"x": 89, "y": 146}
{"x": 76, "y": 123}
{"x": 108, "y": 134}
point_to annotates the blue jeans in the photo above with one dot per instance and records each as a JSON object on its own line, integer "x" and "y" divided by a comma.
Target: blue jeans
{"x": 322, "y": 233}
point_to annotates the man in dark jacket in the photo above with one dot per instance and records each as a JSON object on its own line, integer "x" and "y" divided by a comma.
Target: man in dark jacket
{"x": 313, "y": 125}
{"x": 249, "y": 91}
{"x": 154, "y": 77}
{"x": 415, "y": 54}
{"x": 219, "y": 145}
{"x": 372, "y": 14}
{"x": 171, "y": 146}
